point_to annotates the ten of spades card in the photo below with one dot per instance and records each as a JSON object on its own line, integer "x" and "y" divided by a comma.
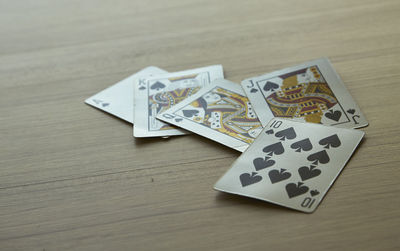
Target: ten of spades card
{"x": 220, "y": 112}
{"x": 118, "y": 98}
{"x": 156, "y": 94}
{"x": 292, "y": 164}
{"x": 310, "y": 92}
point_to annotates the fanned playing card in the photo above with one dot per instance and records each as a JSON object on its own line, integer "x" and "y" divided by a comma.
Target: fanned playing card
{"x": 292, "y": 164}
{"x": 220, "y": 112}
{"x": 310, "y": 92}
{"x": 154, "y": 95}
{"x": 118, "y": 98}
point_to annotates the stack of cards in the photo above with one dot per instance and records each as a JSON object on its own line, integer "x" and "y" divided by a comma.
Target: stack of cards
{"x": 294, "y": 126}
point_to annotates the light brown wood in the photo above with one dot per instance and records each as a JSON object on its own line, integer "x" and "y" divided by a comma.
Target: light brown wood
{"x": 73, "y": 178}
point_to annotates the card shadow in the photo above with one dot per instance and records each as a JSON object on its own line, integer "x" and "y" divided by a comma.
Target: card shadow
{"x": 209, "y": 142}
{"x": 226, "y": 200}
{"x": 153, "y": 140}
{"x": 197, "y": 139}
{"x": 111, "y": 115}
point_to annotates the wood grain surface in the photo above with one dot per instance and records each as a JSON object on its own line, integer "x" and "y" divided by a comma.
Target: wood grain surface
{"x": 73, "y": 178}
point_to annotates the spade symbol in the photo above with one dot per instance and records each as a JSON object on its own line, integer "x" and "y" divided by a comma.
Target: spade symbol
{"x": 308, "y": 173}
{"x": 319, "y": 157}
{"x": 314, "y": 192}
{"x": 331, "y": 141}
{"x": 288, "y": 133}
{"x": 276, "y": 176}
{"x": 351, "y": 111}
{"x": 294, "y": 190}
{"x": 253, "y": 90}
{"x": 105, "y": 104}
{"x": 276, "y": 148}
{"x": 190, "y": 113}
{"x": 334, "y": 115}
{"x": 269, "y": 86}
{"x": 270, "y": 131}
{"x": 157, "y": 85}
{"x": 97, "y": 101}
{"x": 260, "y": 163}
{"x": 142, "y": 88}
{"x": 248, "y": 179}
{"x": 304, "y": 144}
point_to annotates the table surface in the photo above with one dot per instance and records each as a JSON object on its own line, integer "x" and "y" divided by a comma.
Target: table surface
{"x": 74, "y": 178}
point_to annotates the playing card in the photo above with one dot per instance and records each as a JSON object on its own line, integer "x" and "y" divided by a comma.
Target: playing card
{"x": 291, "y": 164}
{"x": 156, "y": 94}
{"x": 220, "y": 112}
{"x": 310, "y": 92}
{"x": 118, "y": 98}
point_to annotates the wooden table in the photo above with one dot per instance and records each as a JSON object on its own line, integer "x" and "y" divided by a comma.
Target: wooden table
{"x": 74, "y": 178}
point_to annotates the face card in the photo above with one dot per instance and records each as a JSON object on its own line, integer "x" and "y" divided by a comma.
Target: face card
{"x": 292, "y": 164}
{"x": 118, "y": 98}
{"x": 310, "y": 92}
{"x": 220, "y": 112}
{"x": 157, "y": 94}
